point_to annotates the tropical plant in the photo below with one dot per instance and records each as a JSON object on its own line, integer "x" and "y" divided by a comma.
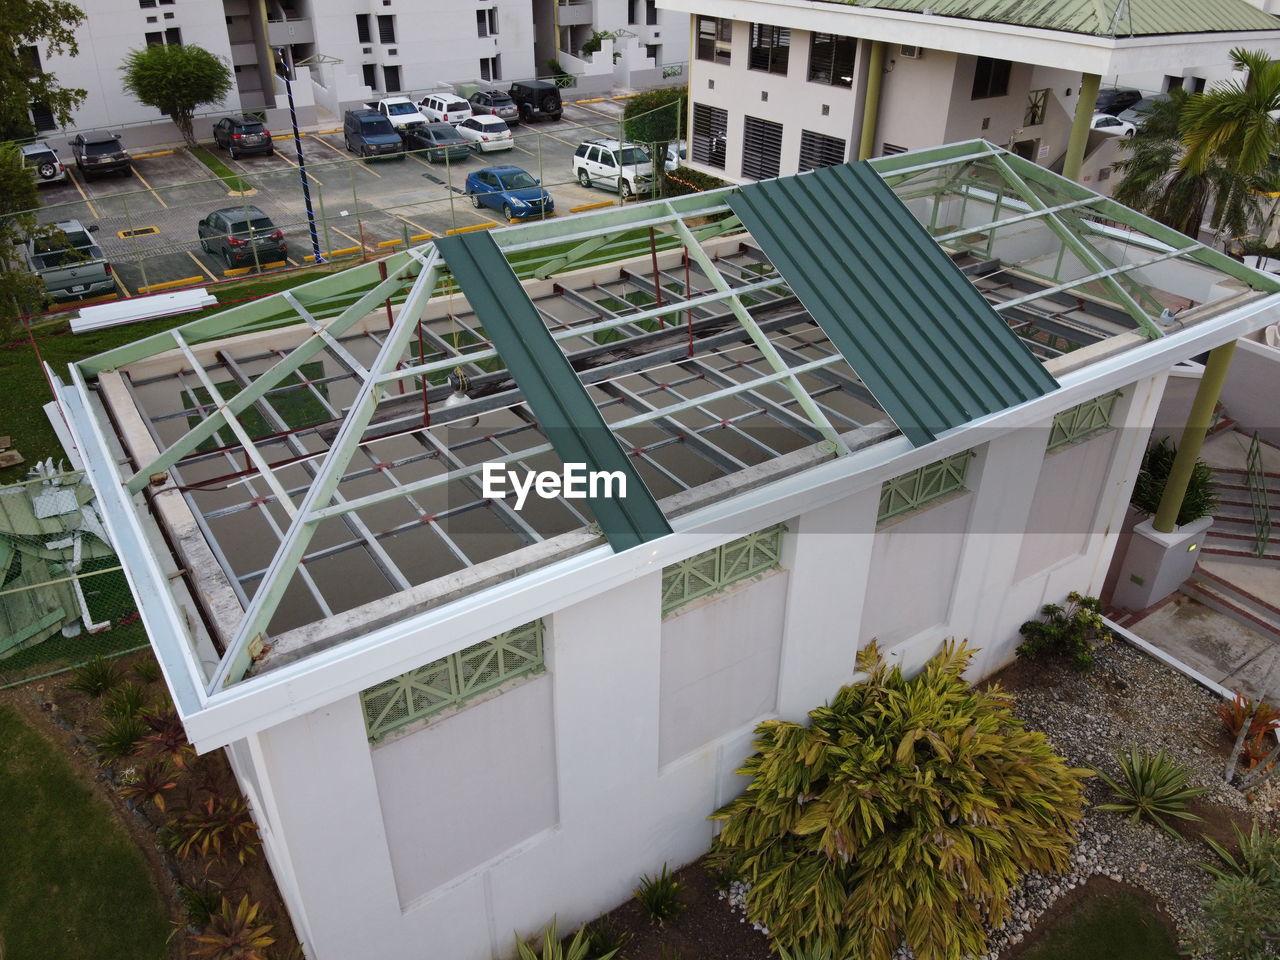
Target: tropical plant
{"x": 94, "y": 677}
{"x": 1072, "y": 632}
{"x": 199, "y": 904}
{"x": 1151, "y": 785}
{"x": 1242, "y": 921}
{"x": 579, "y": 947}
{"x": 151, "y": 784}
{"x": 604, "y": 937}
{"x": 906, "y": 810}
{"x": 1249, "y": 723}
{"x": 660, "y": 895}
{"x": 36, "y": 26}
{"x": 805, "y": 952}
{"x": 125, "y": 700}
{"x": 234, "y": 933}
{"x": 1259, "y": 857}
{"x": 147, "y": 670}
{"x": 118, "y": 738}
{"x": 217, "y": 829}
{"x": 1235, "y": 122}
{"x": 1197, "y": 502}
{"x": 165, "y": 737}
{"x": 176, "y": 79}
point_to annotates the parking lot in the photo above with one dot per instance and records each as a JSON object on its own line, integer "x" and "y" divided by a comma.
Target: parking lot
{"x": 147, "y": 222}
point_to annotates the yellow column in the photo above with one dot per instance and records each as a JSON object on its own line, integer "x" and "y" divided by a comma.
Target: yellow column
{"x": 871, "y": 102}
{"x": 1080, "y": 126}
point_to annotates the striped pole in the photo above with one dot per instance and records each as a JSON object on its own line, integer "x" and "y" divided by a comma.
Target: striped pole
{"x": 302, "y": 163}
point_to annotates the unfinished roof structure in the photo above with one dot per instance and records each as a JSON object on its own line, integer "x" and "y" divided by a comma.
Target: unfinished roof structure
{"x": 315, "y": 458}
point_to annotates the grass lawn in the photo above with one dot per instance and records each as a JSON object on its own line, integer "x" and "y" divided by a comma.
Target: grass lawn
{"x": 1118, "y": 926}
{"x": 72, "y": 883}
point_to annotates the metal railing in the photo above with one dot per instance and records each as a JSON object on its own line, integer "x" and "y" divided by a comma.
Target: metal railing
{"x": 1256, "y": 481}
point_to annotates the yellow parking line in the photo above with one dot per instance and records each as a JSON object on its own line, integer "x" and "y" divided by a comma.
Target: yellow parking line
{"x": 560, "y": 139}
{"x": 148, "y": 186}
{"x": 389, "y": 243}
{"x": 354, "y": 240}
{"x": 154, "y": 153}
{"x": 474, "y": 227}
{"x": 420, "y": 237}
{"x": 83, "y": 196}
{"x": 593, "y": 100}
{"x": 292, "y": 262}
{"x": 592, "y": 206}
{"x": 170, "y": 284}
{"x": 236, "y": 271}
{"x": 344, "y": 155}
{"x": 313, "y": 179}
{"x": 120, "y": 283}
{"x": 416, "y": 226}
{"x": 345, "y": 251}
{"x": 197, "y": 262}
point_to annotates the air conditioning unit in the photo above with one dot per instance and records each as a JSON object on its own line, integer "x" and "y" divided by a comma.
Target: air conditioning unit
{"x": 909, "y": 53}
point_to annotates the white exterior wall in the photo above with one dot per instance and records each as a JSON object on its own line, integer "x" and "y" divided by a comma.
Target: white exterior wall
{"x": 551, "y": 798}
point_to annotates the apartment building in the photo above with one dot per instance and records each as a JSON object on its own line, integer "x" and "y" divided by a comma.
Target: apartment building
{"x": 903, "y": 399}
{"x": 779, "y": 87}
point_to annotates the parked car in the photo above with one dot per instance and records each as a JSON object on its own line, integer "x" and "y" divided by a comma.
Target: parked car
{"x": 495, "y": 103}
{"x": 69, "y": 262}
{"x": 511, "y": 190}
{"x": 241, "y": 235}
{"x": 241, "y": 135}
{"x": 1137, "y": 114}
{"x": 438, "y": 141}
{"x": 401, "y": 111}
{"x": 487, "y": 134}
{"x": 98, "y": 152}
{"x": 42, "y": 160}
{"x": 537, "y": 100}
{"x": 1113, "y": 125}
{"x": 626, "y": 167}
{"x": 445, "y": 108}
{"x": 677, "y": 154}
{"x": 369, "y": 134}
{"x": 1114, "y": 99}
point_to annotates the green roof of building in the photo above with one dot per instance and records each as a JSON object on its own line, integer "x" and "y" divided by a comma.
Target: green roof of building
{"x": 1099, "y": 18}
{"x": 928, "y": 346}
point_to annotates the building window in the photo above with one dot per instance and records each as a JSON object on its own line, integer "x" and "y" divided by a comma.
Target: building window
{"x": 891, "y": 149}
{"x": 1037, "y": 104}
{"x": 155, "y": 39}
{"x": 42, "y": 117}
{"x": 709, "y": 126}
{"x": 990, "y": 78}
{"x": 173, "y": 36}
{"x": 391, "y": 79}
{"x": 761, "y": 148}
{"x": 386, "y": 28}
{"x": 370, "y": 72}
{"x": 362, "y": 28}
{"x": 831, "y": 59}
{"x": 491, "y": 67}
{"x": 453, "y": 680}
{"x": 146, "y": 3}
{"x": 770, "y": 48}
{"x": 650, "y": 13}
{"x": 715, "y": 570}
{"x": 1082, "y": 422}
{"x": 487, "y": 22}
{"x": 715, "y": 39}
{"x": 913, "y": 490}
{"x": 819, "y": 150}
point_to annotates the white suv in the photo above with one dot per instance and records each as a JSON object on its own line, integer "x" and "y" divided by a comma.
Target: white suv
{"x": 445, "y": 108}
{"x": 619, "y": 166}
{"x": 42, "y": 160}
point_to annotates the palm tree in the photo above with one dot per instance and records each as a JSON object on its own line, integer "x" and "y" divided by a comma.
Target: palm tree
{"x": 1236, "y": 122}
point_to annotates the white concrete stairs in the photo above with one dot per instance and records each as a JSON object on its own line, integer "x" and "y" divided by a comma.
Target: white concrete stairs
{"x": 1257, "y": 613}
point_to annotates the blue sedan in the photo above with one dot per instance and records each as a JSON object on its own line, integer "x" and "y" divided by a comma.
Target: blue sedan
{"x": 510, "y": 190}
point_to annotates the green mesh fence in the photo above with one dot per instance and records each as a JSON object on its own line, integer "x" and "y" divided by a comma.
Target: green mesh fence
{"x": 63, "y": 596}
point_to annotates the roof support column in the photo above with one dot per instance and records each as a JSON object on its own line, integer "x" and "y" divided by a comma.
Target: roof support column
{"x": 871, "y": 100}
{"x": 1193, "y": 434}
{"x": 1081, "y": 126}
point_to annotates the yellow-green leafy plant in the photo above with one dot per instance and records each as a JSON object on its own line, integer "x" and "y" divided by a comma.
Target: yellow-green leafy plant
{"x": 579, "y": 947}
{"x": 234, "y": 934}
{"x": 1151, "y": 785}
{"x": 906, "y": 810}
{"x": 659, "y": 895}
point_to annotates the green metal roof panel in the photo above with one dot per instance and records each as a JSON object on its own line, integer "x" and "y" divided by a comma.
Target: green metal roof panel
{"x": 550, "y": 385}
{"x": 1099, "y": 18}
{"x": 924, "y": 341}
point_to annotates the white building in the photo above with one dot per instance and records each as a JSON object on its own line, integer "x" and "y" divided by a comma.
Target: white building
{"x": 779, "y": 86}
{"x": 852, "y": 415}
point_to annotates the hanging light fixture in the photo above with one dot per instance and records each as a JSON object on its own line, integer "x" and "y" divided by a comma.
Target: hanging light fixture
{"x": 461, "y": 384}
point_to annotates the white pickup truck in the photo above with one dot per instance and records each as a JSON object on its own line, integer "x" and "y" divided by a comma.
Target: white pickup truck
{"x": 401, "y": 111}
{"x": 71, "y": 265}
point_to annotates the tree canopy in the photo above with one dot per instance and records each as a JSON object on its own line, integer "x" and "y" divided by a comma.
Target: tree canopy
{"x": 176, "y": 79}
{"x": 21, "y": 291}
{"x": 656, "y": 116}
{"x": 47, "y": 27}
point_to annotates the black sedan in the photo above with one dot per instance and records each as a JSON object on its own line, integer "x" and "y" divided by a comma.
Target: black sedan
{"x": 242, "y": 235}
{"x": 439, "y": 141}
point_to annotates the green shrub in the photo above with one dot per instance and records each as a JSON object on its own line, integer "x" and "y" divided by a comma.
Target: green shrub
{"x": 604, "y": 938}
{"x": 126, "y": 700}
{"x": 1072, "y": 632}
{"x": 1200, "y": 498}
{"x": 656, "y": 116}
{"x": 1152, "y": 786}
{"x": 199, "y": 904}
{"x": 95, "y": 677}
{"x": 579, "y": 947}
{"x": 682, "y": 181}
{"x": 147, "y": 670}
{"x": 1259, "y": 857}
{"x": 906, "y": 810}
{"x": 119, "y": 737}
{"x": 660, "y": 895}
{"x": 1242, "y": 908}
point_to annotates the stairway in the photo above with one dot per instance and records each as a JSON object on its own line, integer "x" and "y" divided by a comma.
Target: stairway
{"x": 1217, "y": 593}
{"x": 1232, "y": 535}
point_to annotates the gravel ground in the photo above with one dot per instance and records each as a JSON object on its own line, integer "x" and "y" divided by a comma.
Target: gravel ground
{"x": 1128, "y": 698}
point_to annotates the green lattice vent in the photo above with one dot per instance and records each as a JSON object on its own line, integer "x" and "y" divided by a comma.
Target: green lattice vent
{"x": 1082, "y": 422}
{"x": 913, "y": 490}
{"x": 714, "y": 570}
{"x": 452, "y": 680}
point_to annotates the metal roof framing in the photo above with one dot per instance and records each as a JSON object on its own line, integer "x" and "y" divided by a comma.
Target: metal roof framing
{"x": 551, "y": 387}
{"x": 925, "y": 342}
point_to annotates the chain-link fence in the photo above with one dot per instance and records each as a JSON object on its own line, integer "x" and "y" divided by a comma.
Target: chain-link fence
{"x": 63, "y": 596}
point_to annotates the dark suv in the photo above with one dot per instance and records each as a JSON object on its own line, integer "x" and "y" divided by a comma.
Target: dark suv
{"x": 241, "y": 235}
{"x": 100, "y": 152}
{"x": 241, "y": 135}
{"x": 537, "y": 100}
{"x": 1114, "y": 99}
